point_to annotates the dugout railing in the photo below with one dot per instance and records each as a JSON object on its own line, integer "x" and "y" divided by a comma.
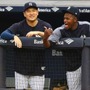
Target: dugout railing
{"x": 53, "y": 54}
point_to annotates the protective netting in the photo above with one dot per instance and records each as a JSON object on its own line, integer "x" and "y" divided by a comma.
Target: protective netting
{"x": 53, "y": 62}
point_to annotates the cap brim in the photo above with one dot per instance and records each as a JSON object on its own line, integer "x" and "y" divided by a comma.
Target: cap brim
{"x": 66, "y": 11}
{"x": 30, "y": 7}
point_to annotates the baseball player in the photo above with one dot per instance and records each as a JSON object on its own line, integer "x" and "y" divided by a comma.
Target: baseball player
{"x": 28, "y": 72}
{"x": 72, "y": 28}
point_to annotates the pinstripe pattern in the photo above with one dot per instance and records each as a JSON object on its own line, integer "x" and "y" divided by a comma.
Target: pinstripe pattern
{"x": 74, "y": 79}
{"x": 33, "y": 82}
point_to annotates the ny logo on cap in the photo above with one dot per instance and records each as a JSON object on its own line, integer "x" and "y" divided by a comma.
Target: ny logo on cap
{"x": 30, "y": 4}
{"x": 69, "y": 7}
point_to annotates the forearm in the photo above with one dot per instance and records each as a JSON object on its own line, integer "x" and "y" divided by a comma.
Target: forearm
{"x": 41, "y": 34}
{"x": 7, "y": 35}
{"x": 46, "y": 43}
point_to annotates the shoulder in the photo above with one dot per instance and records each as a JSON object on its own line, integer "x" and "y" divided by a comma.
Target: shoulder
{"x": 60, "y": 28}
{"x": 42, "y": 22}
{"x": 18, "y": 23}
{"x": 84, "y": 23}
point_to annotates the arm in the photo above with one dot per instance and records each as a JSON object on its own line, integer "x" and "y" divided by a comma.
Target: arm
{"x": 47, "y": 33}
{"x": 40, "y": 31}
{"x": 51, "y": 38}
{"x": 8, "y": 36}
{"x": 9, "y": 33}
{"x": 32, "y": 33}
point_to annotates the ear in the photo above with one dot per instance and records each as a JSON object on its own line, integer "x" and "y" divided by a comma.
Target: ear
{"x": 38, "y": 13}
{"x": 24, "y": 14}
{"x": 75, "y": 19}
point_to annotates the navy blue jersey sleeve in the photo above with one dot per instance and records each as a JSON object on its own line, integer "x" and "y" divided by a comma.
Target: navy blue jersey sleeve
{"x": 9, "y": 33}
{"x": 14, "y": 28}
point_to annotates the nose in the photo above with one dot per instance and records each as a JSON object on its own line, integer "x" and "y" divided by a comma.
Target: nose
{"x": 64, "y": 20}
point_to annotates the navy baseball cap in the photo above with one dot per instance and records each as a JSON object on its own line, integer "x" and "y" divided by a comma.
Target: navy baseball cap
{"x": 30, "y": 5}
{"x": 73, "y": 10}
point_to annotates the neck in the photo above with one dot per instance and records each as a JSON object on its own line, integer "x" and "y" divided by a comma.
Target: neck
{"x": 32, "y": 23}
{"x": 75, "y": 26}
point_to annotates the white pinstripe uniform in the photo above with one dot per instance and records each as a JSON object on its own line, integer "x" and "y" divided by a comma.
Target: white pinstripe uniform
{"x": 25, "y": 81}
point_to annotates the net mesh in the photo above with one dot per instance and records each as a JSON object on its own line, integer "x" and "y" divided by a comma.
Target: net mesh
{"x": 53, "y": 59}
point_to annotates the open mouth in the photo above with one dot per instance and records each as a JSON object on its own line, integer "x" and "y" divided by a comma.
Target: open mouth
{"x": 66, "y": 26}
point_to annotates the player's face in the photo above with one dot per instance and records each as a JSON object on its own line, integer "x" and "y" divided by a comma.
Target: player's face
{"x": 31, "y": 14}
{"x": 69, "y": 21}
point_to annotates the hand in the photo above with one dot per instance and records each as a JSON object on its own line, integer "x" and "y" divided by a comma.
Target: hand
{"x": 18, "y": 42}
{"x": 32, "y": 33}
{"x": 47, "y": 32}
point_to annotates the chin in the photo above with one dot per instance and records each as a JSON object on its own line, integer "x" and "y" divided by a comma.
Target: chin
{"x": 66, "y": 28}
{"x": 32, "y": 20}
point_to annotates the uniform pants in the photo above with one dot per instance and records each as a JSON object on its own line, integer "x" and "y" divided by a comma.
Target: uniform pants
{"x": 74, "y": 79}
{"x": 25, "y": 82}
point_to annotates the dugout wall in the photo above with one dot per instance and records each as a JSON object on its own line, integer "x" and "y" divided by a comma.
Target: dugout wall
{"x": 51, "y": 63}
{"x": 54, "y": 58}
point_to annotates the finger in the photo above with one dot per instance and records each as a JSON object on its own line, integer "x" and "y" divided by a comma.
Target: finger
{"x": 27, "y": 35}
{"x": 19, "y": 45}
{"x": 15, "y": 44}
{"x": 45, "y": 27}
{"x": 50, "y": 29}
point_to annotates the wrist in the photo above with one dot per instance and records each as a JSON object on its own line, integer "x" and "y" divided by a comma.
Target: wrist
{"x": 45, "y": 39}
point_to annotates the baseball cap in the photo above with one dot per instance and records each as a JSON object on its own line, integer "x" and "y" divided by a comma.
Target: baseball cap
{"x": 30, "y": 5}
{"x": 73, "y": 10}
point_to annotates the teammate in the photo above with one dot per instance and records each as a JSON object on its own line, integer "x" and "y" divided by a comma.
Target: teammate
{"x": 31, "y": 26}
{"x": 72, "y": 28}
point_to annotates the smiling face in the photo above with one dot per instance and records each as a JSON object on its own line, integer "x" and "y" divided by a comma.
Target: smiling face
{"x": 31, "y": 14}
{"x": 70, "y": 21}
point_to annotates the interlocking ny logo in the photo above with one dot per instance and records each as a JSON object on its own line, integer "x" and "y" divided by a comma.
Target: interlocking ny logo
{"x": 30, "y": 4}
{"x": 69, "y": 41}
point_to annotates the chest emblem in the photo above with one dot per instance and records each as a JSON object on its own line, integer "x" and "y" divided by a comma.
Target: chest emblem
{"x": 69, "y": 41}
